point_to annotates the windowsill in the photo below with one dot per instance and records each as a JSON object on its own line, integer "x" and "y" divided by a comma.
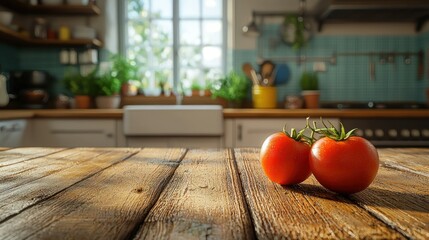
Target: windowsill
{"x": 169, "y": 100}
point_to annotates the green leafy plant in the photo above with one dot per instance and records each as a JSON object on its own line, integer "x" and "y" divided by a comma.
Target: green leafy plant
{"x": 79, "y": 84}
{"x": 107, "y": 85}
{"x": 233, "y": 87}
{"x": 297, "y": 22}
{"x": 309, "y": 81}
{"x": 123, "y": 69}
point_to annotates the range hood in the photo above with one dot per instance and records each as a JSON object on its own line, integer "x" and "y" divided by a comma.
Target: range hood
{"x": 339, "y": 11}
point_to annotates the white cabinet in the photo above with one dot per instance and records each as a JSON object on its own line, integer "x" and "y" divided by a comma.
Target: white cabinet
{"x": 14, "y": 133}
{"x": 246, "y": 132}
{"x": 185, "y": 142}
{"x": 75, "y": 132}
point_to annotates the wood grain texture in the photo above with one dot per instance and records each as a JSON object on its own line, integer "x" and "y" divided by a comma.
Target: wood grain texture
{"x": 27, "y": 183}
{"x": 108, "y": 205}
{"x": 414, "y": 160}
{"x": 401, "y": 199}
{"x": 202, "y": 201}
{"x": 17, "y": 155}
{"x": 304, "y": 211}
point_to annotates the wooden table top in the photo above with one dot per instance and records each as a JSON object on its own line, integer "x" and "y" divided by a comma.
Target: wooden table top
{"x": 131, "y": 193}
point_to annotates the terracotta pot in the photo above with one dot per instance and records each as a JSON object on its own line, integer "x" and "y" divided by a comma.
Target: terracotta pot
{"x": 82, "y": 101}
{"x": 311, "y": 99}
{"x": 108, "y": 101}
{"x": 128, "y": 89}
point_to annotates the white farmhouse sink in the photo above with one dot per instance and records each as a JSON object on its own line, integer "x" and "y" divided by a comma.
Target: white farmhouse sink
{"x": 173, "y": 120}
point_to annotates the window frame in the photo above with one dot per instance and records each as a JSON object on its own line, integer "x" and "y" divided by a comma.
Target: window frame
{"x": 123, "y": 36}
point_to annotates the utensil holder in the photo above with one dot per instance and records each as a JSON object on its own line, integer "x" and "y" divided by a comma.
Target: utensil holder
{"x": 264, "y": 97}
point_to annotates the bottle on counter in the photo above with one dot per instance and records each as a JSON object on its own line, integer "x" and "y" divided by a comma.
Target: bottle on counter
{"x": 4, "y": 97}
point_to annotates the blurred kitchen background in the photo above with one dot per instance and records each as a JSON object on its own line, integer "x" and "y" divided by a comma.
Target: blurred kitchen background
{"x": 375, "y": 51}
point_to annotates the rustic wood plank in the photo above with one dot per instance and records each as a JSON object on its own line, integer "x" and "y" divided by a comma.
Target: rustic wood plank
{"x": 304, "y": 211}
{"x": 3, "y": 149}
{"x": 17, "y": 155}
{"x": 108, "y": 205}
{"x": 401, "y": 199}
{"x": 414, "y": 160}
{"x": 28, "y": 186}
{"x": 203, "y": 200}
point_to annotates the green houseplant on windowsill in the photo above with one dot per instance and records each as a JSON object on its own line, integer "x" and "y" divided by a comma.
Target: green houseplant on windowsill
{"x": 310, "y": 89}
{"x": 108, "y": 88}
{"x": 82, "y": 87}
{"x": 125, "y": 71}
{"x": 232, "y": 89}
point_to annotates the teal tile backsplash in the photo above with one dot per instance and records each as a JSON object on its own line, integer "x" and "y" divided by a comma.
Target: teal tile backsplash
{"x": 348, "y": 79}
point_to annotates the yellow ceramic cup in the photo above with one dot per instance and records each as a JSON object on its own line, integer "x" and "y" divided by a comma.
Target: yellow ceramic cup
{"x": 264, "y": 97}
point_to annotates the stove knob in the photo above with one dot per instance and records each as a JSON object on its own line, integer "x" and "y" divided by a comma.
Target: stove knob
{"x": 425, "y": 133}
{"x": 392, "y": 133}
{"x": 379, "y": 133}
{"x": 359, "y": 132}
{"x": 415, "y": 133}
{"x": 369, "y": 132}
{"x": 405, "y": 133}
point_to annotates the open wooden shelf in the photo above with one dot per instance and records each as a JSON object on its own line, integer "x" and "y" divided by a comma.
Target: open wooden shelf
{"x": 10, "y": 36}
{"x": 62, "y": 9}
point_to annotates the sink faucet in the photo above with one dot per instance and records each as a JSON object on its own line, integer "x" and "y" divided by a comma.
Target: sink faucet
{"x": 179, "y": 98}
{"x": 178, "y": 92}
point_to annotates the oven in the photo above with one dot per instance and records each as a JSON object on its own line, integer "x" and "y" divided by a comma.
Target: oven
{"x": 387, "y": 131}
{"x": 391, "y": 132}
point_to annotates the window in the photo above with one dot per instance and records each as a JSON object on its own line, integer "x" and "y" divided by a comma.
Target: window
{"x": 176, "y": 42}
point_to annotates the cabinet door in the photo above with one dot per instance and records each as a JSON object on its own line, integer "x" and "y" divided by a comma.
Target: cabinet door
{"x": 74, "y": 132}
{"x": 174, "y": 142}
{"x": 13, "y": 133}
{"x": 253, "y": 132}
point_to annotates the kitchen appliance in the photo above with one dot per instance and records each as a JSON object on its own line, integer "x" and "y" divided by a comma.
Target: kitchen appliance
{"x": 29, "y": 89}
{"x": 400, "y": 131}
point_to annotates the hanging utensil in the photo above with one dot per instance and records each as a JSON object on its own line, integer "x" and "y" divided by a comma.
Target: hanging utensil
{"x": 371, "y": 68}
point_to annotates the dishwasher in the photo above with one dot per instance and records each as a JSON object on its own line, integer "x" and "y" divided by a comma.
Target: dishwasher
{"x": 13, "y": 133}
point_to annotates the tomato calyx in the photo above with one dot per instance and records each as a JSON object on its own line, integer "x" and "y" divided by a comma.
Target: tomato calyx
{"x": 330, "y": 131}
{"x": 298, "y": 136}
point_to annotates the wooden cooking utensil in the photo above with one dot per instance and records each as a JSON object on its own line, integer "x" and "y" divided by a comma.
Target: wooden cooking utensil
{"x": 250, "y": 73}
{"x": 267, "y": 68}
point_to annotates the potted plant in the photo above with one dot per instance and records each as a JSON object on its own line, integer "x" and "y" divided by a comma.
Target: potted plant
{"x": 310, "y": 89}
{"x": 196, "y": 88}
{"x": 232, "y": 88}
{"x": 108, "y": 88}
{"x": 125, "y": 71}
{"x": 295, "y": 31}
{"x": 82, "y": 87}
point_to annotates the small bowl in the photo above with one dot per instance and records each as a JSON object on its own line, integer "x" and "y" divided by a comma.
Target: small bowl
{"x": 6, "y": 18}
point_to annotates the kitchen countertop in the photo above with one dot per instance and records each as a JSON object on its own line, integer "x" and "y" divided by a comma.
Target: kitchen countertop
{"x": 228, "y": 113}
{"x": 132, "y": 193}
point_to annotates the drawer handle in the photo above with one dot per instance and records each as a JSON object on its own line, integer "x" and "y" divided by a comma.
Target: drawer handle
{"x": 239, "y": 132}
{"x": 76, "y": 131}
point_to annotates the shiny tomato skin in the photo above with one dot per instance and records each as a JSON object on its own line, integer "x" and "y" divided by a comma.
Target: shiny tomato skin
{"x": 284, "y": 160}
{"x": 347, "y": 166}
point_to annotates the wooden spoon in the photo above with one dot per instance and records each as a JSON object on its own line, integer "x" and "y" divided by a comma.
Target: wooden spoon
{"x": 250, "y": 73}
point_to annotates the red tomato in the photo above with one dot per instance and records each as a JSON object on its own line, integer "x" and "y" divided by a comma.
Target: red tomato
{"x": 346, "y": 166}
{"x": 285, "y": 160}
